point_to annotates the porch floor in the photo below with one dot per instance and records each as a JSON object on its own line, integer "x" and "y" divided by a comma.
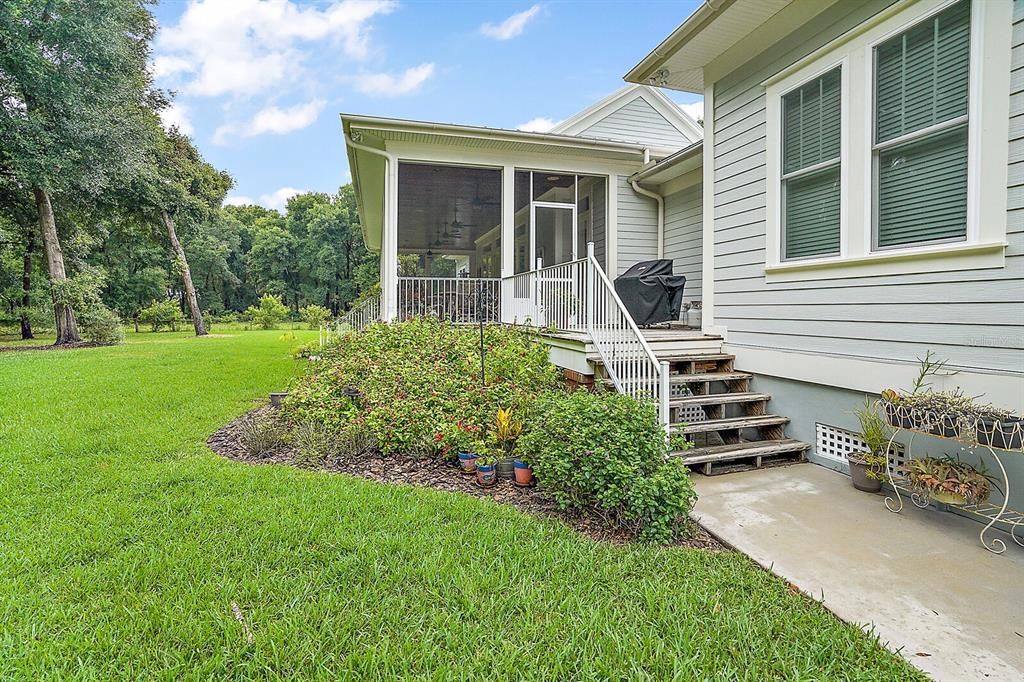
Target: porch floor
{"x": 921, "y": 578}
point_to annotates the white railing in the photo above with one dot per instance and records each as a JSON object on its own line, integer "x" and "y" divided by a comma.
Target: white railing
{"x": 578, "y": 297}
{"x": 628, "y": 359}
{"x": 455, "y": 299}
{"x": 364, "y": 314}
{"x": 553, "y": 297}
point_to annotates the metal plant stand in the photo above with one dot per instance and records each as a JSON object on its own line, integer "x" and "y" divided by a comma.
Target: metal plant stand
{"x": 966, "y": 437}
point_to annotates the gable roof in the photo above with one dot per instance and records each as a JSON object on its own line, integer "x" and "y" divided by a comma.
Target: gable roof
{"x": 587, "y": 122}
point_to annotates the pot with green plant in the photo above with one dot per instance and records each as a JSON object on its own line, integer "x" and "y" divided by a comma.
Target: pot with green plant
{"x": 486, "y": 466}
{"x": 506, "y": 431}
{"x": 867, "y": 469}
{"x": 948, "y": 480}
{"x": 461, "y": 438}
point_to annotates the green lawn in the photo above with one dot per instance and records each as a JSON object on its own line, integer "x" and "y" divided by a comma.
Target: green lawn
{"x": 124, "y": 543}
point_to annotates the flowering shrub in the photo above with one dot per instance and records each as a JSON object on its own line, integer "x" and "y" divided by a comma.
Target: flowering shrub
{"x": 608, "y": 451}
{"x": 419, "y": 378}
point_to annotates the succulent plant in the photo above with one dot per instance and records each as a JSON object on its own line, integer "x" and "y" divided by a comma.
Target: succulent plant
{"x": 946, "y": 478}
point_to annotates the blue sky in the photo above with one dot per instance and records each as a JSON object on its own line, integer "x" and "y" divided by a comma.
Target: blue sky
{"x": 260, "y": 83}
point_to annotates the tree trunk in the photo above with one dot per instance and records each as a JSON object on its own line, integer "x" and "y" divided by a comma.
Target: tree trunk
{"x": 64, "y": 314}
{"x": 186, "y": 275}
{"x": 26, "y": 288}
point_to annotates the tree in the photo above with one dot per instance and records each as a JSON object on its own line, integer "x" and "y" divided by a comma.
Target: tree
{"x": 73, "y": 78}
{"x": 176, "y": 183}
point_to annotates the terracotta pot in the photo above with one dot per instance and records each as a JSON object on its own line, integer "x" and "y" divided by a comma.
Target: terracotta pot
{"x": 486, "y": 475}
{"x": 859, "y": 476}
{"x": 524, "y": 473}
{"x": 467, "y": 462}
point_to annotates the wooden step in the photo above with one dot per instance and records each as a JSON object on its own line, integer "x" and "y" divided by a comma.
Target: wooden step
{"x": 721, "y": 459}
{"x": 714, "y": 376}
{"x": 718, "y": 399}
{"x": 731, "y": 424}
{"x": 692, "y": 357}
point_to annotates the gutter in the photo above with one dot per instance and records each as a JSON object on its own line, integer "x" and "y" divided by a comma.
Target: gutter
{"x": 388, "y": 250}
{"x": 668, "y": 47}
{"x": 661, "y": 211}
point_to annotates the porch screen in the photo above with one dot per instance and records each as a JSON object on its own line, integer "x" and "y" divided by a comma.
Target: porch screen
{"x": 811, "y": 135}
{"x": 920, "y": 150}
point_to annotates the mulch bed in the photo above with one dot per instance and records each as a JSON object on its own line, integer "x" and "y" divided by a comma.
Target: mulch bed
{"x": 440, "y": 475}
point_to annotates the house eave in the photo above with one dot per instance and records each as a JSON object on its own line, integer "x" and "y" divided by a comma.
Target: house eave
{"x": 684, "y": 161}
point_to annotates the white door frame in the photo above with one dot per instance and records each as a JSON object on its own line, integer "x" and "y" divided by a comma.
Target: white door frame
{"x": 534, "y": 205}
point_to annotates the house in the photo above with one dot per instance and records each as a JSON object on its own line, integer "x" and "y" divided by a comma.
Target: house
{"x": 854, "y": 200}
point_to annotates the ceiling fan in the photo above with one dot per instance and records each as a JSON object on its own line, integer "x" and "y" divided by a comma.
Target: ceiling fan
{"x": 480, "y": 203}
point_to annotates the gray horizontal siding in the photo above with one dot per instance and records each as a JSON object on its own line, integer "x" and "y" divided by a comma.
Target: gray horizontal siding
{"x": 974, "y": 318}
{"x": 637, "y": 227}
{"x": 638, "y": 121}
{"x": 684, "y": 236}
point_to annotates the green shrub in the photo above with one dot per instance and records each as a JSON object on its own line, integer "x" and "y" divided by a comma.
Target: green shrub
{"x": 608, "y": 451}
{"x": 315, "y": 315}
{"x": 420, "y": 376}
{"x": 161, "y": 314}
{"x": 270, "y": 312}
{"x": 100, "y": 324}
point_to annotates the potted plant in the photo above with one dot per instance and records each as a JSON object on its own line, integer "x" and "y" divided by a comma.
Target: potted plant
{"x": 1000, "y": 429}
{"x": 506, "y": 431}
{"x": 867, "y": 469}
{"x": 486, "y": 466}
{"x": 523, "y": 471}
{"x": 460, "y": 439}
{"x": 948, "y": 480}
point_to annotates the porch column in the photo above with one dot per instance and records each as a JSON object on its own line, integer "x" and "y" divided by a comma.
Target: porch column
{"x": 389, "y": 244}
{"x": 508, "y": 232}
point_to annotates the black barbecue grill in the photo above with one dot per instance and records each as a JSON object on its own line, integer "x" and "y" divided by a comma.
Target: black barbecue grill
{"x": 650, "y": 292}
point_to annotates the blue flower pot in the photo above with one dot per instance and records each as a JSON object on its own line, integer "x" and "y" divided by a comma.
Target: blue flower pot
{"x": 467, "y": 461}
{"x": 486, "y": 475}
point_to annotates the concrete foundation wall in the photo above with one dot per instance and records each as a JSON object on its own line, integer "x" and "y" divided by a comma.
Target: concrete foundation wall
{"x": 807, "y": 404}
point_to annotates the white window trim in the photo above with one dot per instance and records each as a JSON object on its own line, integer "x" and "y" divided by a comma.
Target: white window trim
{"x": 988, "y": 128}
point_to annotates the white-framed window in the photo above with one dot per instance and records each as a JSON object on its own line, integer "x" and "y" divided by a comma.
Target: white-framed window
{"x": 923, "y": 91}
{"x": 811, "y": 176}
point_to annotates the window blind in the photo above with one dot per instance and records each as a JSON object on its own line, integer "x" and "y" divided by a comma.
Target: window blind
{"x": 921, "y": 82}
{"x": 811, "y": 192}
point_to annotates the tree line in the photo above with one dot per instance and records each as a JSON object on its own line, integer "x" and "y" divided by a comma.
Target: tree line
{"x": 103, "y": 211}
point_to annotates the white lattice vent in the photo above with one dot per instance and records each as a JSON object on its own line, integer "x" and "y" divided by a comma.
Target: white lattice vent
{"x": 836, "y": 443}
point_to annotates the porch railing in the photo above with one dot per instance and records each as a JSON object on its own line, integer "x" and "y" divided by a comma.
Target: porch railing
{"x": 628, "y": 359}
{"x": 578, "y": 297}
{"x": 553, "y": 297}
{"x": 455, "y": 299}
{"x": 360, "y": 316}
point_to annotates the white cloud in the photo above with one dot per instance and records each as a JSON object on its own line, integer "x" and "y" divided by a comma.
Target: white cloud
{"x": 238, "y": 200}
{"x": 177, "y": 114}
{"x": 388, "y": 85}
{"x": 694, "y": 109}
{"x": 512, "y": 26}
{"x": 278, "y": 199}
{"x": 273, "y": 120}
{"x": 245, "y": 47}
{"x": 538, "y": 125}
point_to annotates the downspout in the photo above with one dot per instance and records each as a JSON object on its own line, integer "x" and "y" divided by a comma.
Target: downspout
{"x": 390, "y": 168}
{"x": 661, "y": 213}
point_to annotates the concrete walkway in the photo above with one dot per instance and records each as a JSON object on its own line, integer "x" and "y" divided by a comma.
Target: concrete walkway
{"x": 921, "y": 578}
